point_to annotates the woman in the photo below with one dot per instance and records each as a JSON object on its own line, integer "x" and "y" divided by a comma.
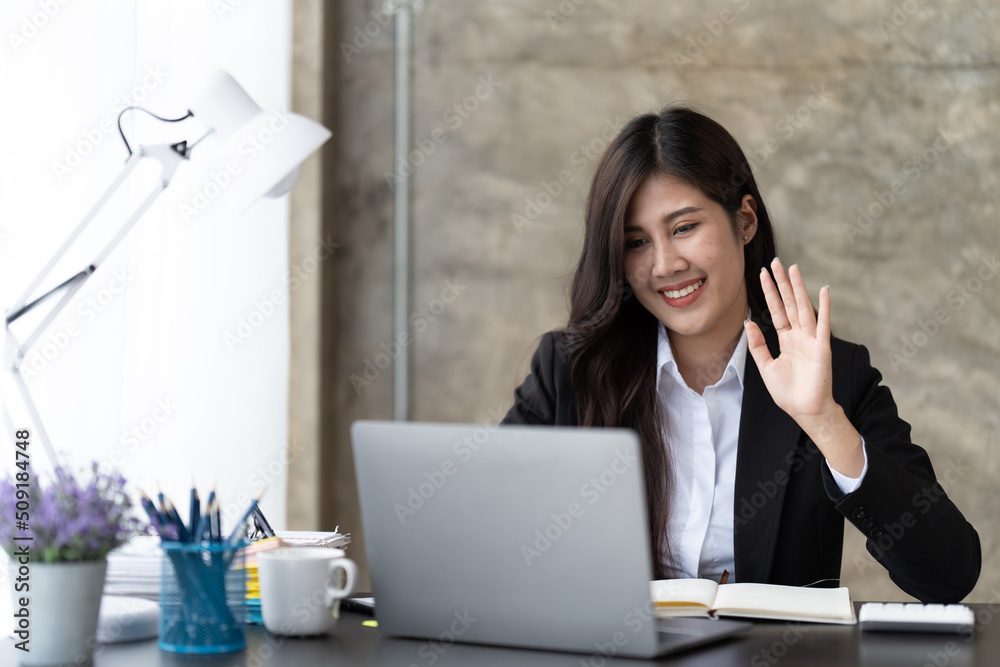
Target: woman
{"x": 752, "y": 461}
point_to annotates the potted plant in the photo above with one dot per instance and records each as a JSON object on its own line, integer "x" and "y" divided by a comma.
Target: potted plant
{"x": 58, "y": 530}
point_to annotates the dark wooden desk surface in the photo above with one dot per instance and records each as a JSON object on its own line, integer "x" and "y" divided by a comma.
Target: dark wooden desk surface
{"x": 768, "y": 644}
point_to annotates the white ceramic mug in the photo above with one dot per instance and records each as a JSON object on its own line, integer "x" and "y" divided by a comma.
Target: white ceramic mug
{"x": 299, "y": 591}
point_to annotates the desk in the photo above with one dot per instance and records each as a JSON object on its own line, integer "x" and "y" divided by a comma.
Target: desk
{"x": 768, "y": 644}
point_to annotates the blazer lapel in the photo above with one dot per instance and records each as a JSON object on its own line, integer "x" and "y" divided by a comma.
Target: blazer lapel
{"x": 767, "y": 441}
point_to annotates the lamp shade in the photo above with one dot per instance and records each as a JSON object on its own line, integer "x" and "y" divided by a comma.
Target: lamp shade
{"x": 256, "y": 152}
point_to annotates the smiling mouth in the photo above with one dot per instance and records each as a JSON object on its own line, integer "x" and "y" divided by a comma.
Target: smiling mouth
{"x": 677, "y": 294}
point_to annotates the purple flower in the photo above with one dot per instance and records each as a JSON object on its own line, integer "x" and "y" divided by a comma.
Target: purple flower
{"x": 71, "y": 517}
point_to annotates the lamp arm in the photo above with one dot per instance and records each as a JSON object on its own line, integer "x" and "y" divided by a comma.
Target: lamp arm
{"x": 29, "y": 403}
{"x": 16, "y": 315}
{"x": 74, "y": 285}
{"x": 170, "y": 157}
{"x": 19, "y": 305}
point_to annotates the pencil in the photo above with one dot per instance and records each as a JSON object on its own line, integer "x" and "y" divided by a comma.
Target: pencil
{"x": 215, "y": 527}
{"x": 182, "y": 533}
{"x": 154, "y": 517}
{"x": 194, "y": 512}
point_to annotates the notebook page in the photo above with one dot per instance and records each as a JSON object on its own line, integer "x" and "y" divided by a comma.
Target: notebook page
{"x": 785, "y": 602}
{"x": 669, "y": 592}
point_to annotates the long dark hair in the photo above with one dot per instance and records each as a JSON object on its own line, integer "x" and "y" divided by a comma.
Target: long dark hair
{"x": 611, "y": 339}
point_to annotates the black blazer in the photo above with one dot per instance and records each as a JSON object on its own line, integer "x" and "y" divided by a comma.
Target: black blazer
{"x": 789, "y": 512}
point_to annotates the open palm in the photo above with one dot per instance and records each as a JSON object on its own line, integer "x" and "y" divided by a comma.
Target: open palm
{"x": 800, "y": 378}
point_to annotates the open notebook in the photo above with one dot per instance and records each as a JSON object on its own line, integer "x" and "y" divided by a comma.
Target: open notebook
{"x": 703, "y": 597}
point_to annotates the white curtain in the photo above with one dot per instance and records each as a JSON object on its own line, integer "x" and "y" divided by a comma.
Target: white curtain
{"x": 172, "y": 362}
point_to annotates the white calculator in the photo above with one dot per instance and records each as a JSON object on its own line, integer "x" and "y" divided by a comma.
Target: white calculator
{"x": 916, "y": 617}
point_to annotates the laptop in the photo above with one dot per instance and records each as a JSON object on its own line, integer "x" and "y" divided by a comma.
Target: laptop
{"x": 520, "y": 536}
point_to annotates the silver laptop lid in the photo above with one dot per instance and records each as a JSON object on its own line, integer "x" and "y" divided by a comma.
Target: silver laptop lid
{"x": 518, "y": 536}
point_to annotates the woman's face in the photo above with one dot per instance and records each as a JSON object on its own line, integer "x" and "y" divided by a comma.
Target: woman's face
{"x": 684, "y": 260}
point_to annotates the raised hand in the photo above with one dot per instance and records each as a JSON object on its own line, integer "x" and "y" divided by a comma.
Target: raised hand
{"x": 800, "y": 379}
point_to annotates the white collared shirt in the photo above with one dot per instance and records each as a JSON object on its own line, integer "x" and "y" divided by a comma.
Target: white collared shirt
{"x": 702, "y": 433}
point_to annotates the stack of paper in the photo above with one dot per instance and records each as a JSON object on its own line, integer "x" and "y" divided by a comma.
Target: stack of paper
{"x": 253, "y": 616}
{"x": 309, "y": 538}
{"x": 135, "y": 568}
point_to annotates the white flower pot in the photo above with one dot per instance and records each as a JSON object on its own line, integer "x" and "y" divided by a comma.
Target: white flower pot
{"x": 63, "y": 604}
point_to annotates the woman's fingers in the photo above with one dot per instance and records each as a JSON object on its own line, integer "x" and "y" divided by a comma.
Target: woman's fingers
{"x": 774, "y": 304}
{"x": 805, "y": 315}
{"x": 823, "y": 321}
{"x": 757, "y": 345}
{"x": 787, "y": 294}
{"x": 789, "y": 301}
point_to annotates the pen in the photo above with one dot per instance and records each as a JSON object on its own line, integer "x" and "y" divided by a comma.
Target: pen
{"x": 211, "y": 497}
{"x": 215, "y": 529}
{"x": 205, "y": 525}
{"x": 154, "y": 517}
{"x": 175, "y": 519}
{"x": 160, "y": 521}
{"x": 194, "y": 513}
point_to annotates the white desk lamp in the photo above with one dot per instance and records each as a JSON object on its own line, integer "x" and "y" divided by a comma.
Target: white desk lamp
{"x": 280, "y": 143}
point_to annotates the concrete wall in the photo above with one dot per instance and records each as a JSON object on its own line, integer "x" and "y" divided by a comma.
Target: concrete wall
{"x": 305, "y": 301}
{"x": 835, "y": 103}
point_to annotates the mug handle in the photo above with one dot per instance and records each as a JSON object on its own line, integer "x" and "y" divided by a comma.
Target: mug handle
{"x": 351, "y": 574}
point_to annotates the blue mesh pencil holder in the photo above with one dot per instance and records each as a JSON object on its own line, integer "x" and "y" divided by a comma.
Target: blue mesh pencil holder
{"x": 202, "y": 598}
